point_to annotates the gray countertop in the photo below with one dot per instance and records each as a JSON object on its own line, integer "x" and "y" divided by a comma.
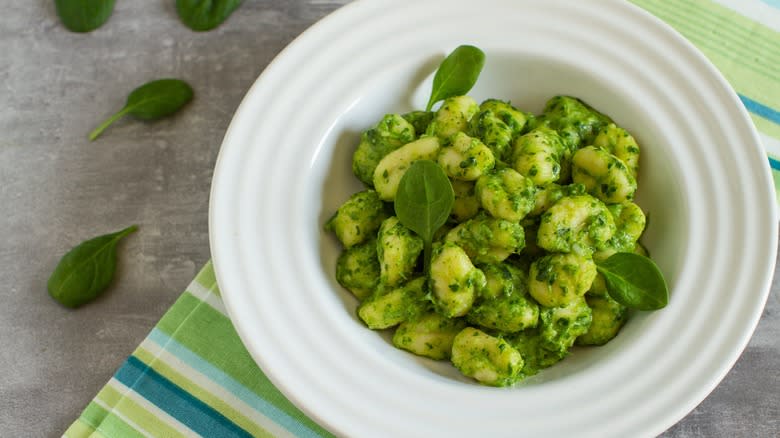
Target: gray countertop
{"x": 59, "y": 189}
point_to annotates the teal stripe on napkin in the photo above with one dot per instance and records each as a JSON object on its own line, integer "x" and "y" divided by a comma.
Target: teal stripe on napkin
{"x": 761, "y": 110}
{"x": 773, "y": 3}
{"x": 177, "y": 402}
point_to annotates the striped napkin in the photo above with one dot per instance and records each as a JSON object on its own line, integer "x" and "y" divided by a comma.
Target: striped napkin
{"x": 192, "y": 376}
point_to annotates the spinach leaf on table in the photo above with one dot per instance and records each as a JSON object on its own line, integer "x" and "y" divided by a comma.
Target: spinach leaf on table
{"x": 151, "y": 101}
{"x": 86, "y": 270}
{"x": 84, "y": 15}
{"x": 203, "y": 15}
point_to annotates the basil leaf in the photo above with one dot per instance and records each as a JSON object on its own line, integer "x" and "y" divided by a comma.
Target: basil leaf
{"x": 634, "y": 281}
{"x": 456, "y": 74}
{"x": 151, "y": 101}
{"x": 86, "y": 270}
{"x": 84, "y": 15}
{"x": 423, "y": 201}
{"x": 203, "y": 15}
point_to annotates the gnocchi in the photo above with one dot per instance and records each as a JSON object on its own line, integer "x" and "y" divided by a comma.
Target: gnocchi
{"x": 511, "y": 284}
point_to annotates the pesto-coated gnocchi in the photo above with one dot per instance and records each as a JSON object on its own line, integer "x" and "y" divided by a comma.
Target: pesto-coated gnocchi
{"x": 539, "y": 156}
{"x": 608, "y": 318}
{"x": 506, "y": 194}
{"x": 357, "y": 269}
{"x": 488, "y": 240}
{"x": 390, "y": 170}
{"x": 488, "y": 359}
{"x": 547, "y": 195}
{"x": 558, "y": 279}
{"x": 466, "y": 158}
{"x": 388, "y": 307}
{"x": 392, "y": 132}
{"x": 629, "y": 225}
{"x": 506, "y": 308}
{"x": 509, "y": 283}
{"x": 498, "y": 124}
{"x": 452, "y": 117}
{"x": 579, "y": 224}
{"x": 603, "y": 175}
{"x": 560, "y": 326}
{"x": 514, "y": 119}
{"x": 466, "y": 204}
{"x": 575, "y": 121}
{"x": 618, "y": 142}
{"x": 430, "y": 335}
{"x": 536, "y": 354}
{"x": 398, "y": 249}
{"x": 358, "y": 219}
{"x": 454, "y": 280}
{"x": 502, "y": 279}
{"x": 496, "y": 134}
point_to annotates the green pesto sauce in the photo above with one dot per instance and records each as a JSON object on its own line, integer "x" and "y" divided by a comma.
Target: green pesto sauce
{"x": 521, "y": 203}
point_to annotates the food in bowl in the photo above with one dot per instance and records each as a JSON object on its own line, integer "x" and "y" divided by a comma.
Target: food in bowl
{"x": 493, "y": 237}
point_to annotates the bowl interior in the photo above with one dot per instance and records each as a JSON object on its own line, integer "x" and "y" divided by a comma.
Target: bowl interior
{"x": 528, "y": 80}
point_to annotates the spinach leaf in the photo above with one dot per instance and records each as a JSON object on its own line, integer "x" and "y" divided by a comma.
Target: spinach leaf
{"x": 456, "y": 74}
{"x": 423, "y": 201}
{"x": 86, "y": 270}
{"x": 203, "y": 15}
{"x": 634, "y": 281}
{"x": 151, "y": 101}
{"x": 84, "y": 15}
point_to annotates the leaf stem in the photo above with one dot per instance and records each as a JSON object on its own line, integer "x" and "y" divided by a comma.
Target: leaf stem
{"x": 129, "y": 230}
{"x": 99, "y": 130}
{"x": 427, "y": 249}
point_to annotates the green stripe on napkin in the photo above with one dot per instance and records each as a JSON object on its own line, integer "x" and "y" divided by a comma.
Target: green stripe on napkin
{"x": 193, "y": 376}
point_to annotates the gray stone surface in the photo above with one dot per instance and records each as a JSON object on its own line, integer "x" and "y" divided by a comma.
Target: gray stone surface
{"x": 59, "y": 189}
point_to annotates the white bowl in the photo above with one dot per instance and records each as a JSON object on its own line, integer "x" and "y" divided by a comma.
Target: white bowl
{"x": 284, "y": 167}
